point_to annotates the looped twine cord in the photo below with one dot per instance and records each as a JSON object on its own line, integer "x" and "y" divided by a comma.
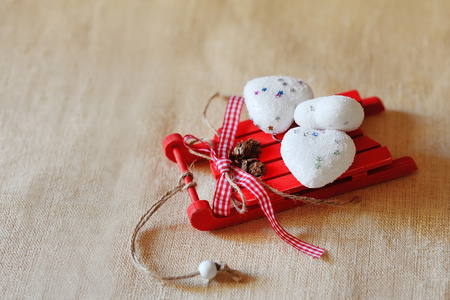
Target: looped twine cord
{"x": 205, "y": 118}
{"x": 181, "y": 186}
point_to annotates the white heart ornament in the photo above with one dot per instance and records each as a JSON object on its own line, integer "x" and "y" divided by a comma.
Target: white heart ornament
{"x": 271, "y": 101}
{"x": 331, "y": 112}
{"x": 317, "y": 157}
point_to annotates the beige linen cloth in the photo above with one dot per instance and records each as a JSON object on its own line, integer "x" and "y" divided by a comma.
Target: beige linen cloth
{"x": 89, "y": 89}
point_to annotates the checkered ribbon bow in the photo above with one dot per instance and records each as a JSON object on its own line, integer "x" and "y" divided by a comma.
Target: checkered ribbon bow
{"x": 222, "y": 162}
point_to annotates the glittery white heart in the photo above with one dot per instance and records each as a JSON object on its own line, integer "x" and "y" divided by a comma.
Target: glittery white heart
{"x": 332, "y": 112}
{"x": 271, "y": 101}
{"x": 317, "y": 157}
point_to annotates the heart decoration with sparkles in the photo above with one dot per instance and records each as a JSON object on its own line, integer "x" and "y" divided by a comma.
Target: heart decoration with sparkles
{"x": 317, "y": 157}
{"x": 271, "y": 101}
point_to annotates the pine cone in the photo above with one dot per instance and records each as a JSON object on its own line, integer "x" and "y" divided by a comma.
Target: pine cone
{"x": 245, "y": 154}
{"x": 244, "y": 165}
{"x": 245, "y": 150}
{"x": 253, "y": 167}
{"x": 256, "y": 168}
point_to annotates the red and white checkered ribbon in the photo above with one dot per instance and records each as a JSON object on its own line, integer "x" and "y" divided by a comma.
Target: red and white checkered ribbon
{"x": 222, "y": 162}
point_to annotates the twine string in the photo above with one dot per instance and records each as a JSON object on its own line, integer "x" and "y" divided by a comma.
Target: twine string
{"x": 309, "y": 200}
{"x": 180, "y": 186}
{"x": 205, "y": 118}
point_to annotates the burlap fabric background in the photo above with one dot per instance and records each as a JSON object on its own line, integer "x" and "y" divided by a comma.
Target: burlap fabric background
{"x": 88, "y": 90}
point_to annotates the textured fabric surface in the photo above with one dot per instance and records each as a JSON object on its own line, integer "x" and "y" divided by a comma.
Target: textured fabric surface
{"x": 89, "y": 89}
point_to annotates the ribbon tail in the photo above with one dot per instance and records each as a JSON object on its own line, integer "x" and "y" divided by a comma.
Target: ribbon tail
{"x": 249, "y": 182}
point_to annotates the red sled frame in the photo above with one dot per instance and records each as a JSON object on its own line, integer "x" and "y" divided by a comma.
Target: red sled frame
{"x": 373, "y": 164}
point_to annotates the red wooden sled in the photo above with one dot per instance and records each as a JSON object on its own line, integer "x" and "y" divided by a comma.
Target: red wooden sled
{"x": 373, "y": 164}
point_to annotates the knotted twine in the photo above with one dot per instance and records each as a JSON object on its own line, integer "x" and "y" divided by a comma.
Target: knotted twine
{"x": 181, "y": 186}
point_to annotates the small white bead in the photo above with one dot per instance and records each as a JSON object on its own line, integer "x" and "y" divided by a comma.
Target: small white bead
{"x": 208, "y": 269}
